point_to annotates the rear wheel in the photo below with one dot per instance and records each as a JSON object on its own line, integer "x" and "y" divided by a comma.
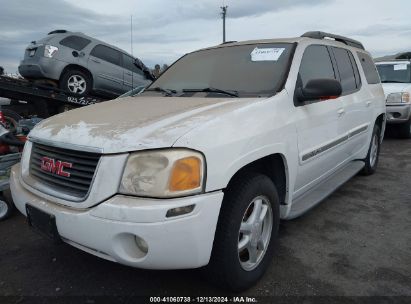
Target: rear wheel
{"x": 404, "y": 129}
{"x": 246, "y": 233}
{"x": 371, "y": 161}
{"x": 76, "y": 82}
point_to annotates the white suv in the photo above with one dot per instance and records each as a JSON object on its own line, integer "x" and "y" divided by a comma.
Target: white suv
{"x": 396, "y": 81}
{"x": 199, "y": 168}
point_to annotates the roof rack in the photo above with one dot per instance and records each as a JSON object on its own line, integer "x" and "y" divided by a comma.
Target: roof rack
{"x": 345, "y": 40}
{"x": 57, "y": 32}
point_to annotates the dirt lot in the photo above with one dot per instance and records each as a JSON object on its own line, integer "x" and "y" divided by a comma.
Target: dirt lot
{"x": 356, "y": 243}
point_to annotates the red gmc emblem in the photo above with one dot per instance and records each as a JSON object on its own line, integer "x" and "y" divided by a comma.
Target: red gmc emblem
{"x": 55, "y": 166}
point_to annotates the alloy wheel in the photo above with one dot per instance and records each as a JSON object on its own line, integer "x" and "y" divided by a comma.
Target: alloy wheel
{"x": 77, "y": 84}
{"x": 374, "y": 150}
{"x": 255, "y": 233}
{"x": 4, "y": 208}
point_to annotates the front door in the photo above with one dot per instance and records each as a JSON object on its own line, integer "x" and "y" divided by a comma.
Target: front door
{"x": 319, "y": 131}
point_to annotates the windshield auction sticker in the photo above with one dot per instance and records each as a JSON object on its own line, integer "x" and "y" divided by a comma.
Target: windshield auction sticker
{"x": 266, "y": 54}
{"x": 400, "y": 67}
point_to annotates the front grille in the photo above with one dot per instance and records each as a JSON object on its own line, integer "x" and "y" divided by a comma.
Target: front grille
{"x": 81, "y": 173}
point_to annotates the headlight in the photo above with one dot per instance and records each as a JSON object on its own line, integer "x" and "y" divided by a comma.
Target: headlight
{"x": 398, "y": 97}
{"x": 50, "y": 50}
{"x": 163, "y": 173}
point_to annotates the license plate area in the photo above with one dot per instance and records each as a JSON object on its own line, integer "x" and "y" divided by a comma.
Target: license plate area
{"x": 43, "y": 222}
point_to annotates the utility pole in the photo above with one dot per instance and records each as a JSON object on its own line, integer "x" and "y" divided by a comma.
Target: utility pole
{"x": 131, "y": 44}
{"x": 224, "y": 13}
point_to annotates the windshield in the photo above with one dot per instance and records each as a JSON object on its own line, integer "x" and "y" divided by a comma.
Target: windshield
{"x": 398, "y": 72}
{"x": 241, "y": 70}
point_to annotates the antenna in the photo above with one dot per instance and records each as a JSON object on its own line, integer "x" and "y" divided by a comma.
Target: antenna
{"x": 131, "y": 41}
{"x": 223, "y": 14}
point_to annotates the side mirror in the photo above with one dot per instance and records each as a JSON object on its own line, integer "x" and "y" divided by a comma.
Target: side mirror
{"x": 321, "y": 88}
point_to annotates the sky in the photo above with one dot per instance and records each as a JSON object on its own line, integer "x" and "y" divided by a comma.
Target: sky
{"x": 164, "y": 30}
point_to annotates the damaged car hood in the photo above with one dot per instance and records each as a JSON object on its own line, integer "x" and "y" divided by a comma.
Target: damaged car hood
{"x": 133, "y": 123}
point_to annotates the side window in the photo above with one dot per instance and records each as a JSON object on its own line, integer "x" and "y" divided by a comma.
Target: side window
{"x": 346, "y": 70}
{"x": 75, "y": 42}
{"x": 107, "y": 54}
{"x": 128, "y": 63}
{"x": 356, "y": 71}
{"x": 369, "y": 68}
{"x": 316, "y": 63}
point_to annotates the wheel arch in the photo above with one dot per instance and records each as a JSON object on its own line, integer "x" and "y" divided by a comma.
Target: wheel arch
{"x": 77, "y": 67}
{"x": 273, "y": 166}
{"x": 381, "y": 122}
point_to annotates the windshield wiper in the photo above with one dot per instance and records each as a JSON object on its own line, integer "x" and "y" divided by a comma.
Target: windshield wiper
{"x": 168, "y": 92}
{"x": 213, "y": 90}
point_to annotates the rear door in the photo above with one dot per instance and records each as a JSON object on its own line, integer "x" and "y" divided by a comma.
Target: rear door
{"x": 357, "y": 102}
{"x": 133, "y": 76}
{"x": 105, "y": 64}
{"x": 319, "y": 132}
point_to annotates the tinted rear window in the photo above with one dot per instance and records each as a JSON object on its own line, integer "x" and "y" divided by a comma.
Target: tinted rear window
{"x": 346, "y": 70}
{"x": 75, "y": 42}
{"x": 107, "y": 54}
{"x": 369, "y": 68}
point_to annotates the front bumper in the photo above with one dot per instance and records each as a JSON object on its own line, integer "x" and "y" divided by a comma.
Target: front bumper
{"x": 109, "y": 230}
{"x": 398, "y": 113}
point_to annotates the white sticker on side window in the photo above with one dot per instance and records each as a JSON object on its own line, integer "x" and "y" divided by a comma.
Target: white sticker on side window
{"x": 400, "y": 67}
{"x": 266, "y": 54}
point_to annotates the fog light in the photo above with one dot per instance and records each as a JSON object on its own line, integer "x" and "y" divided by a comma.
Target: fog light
{"x": 180, "y": 211}
{"x": 142, "y": 245}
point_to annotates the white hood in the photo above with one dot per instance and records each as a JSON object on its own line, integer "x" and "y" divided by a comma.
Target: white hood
{"x": 133, "y": 123}
{"x": 396, "y": 88}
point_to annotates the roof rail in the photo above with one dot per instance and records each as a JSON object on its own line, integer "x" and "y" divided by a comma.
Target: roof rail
{"x": 345, "y": 40}
{"x": 228, "y": 42}
{"x": 57, "y": 32}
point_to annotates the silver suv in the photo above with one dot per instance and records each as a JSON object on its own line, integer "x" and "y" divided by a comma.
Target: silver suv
{"x": 80, "y": 64}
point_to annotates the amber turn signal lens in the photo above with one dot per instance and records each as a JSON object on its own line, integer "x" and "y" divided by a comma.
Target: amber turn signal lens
{"x": 186, "y": 174}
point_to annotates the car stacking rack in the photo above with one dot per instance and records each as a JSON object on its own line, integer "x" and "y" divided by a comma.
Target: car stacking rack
{"x": 23, "y": 90}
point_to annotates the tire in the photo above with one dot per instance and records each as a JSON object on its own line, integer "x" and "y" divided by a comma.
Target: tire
{"x": 404, "y": 130}
{"x": 76, "y": 82}
{"x": 12, "y": 119}
{"x": 230, "y": 267}
{"x": 6, "y": 210}
{"x": 371, "y": 161}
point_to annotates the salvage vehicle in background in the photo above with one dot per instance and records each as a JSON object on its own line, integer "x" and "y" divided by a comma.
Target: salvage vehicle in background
{"x": 82, "y": 65}
{"x": 396, "y": 80}
{"x": 198, "y": 169}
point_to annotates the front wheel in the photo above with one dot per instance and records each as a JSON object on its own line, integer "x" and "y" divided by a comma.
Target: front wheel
{"x": 371, "y": 161}
{"x": 5, "y": 209}
{"x": 246, "y": 233}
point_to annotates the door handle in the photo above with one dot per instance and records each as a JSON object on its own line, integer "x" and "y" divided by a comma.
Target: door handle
{"x": 95, "y": 60}
{"x": 129, "y": 74}
{"x": 368, "y": 103}
{"x": 341, "y": 112}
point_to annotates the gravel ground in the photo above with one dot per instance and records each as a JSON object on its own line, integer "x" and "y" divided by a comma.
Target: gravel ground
{"x": 356, "y": 243}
